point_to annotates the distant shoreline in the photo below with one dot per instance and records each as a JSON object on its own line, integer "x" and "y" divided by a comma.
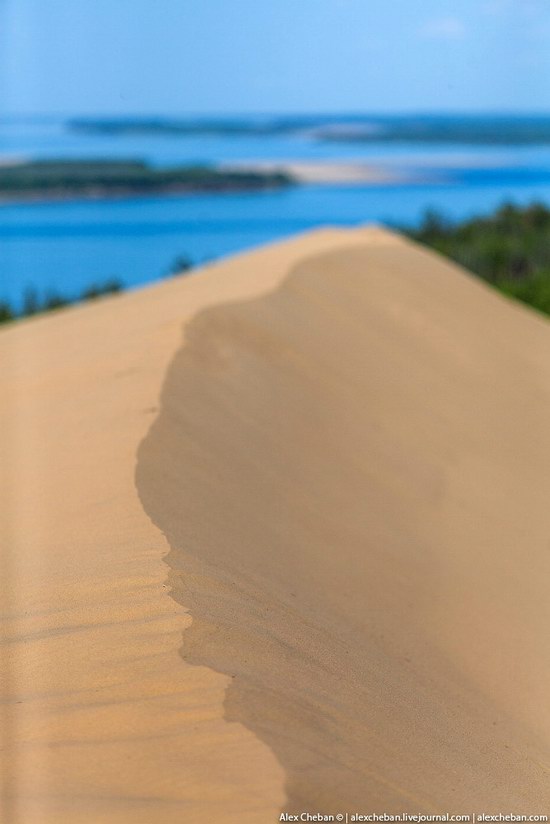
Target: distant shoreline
{"x": 69, "y": 180}
{"x": 324, "y": 172}
{"x": 98, "y": 195}
{"x": 473, "y": 129}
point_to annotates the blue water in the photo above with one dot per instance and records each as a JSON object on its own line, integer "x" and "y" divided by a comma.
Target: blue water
{"x": 69, "y": 245}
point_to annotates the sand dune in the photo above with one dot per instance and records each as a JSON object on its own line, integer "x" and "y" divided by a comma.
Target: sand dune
{"x": 278, "y": 538}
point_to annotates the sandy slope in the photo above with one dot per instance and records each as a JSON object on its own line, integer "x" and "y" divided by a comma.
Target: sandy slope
{"x": 295, "y": 559}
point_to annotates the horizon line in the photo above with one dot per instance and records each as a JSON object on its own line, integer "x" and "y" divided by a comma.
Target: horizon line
{"x": 417, "y": 112}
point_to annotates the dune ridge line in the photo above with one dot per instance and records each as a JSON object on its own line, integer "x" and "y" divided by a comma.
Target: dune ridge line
{"x": 318, "y": 466}
{"x": 343, "y": 469}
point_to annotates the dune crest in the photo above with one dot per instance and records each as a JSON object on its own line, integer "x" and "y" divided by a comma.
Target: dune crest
{"x": 352, "y": 473}
{"x": 344, "y": 468}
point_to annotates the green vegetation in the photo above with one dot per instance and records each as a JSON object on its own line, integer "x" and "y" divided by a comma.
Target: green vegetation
{"x": 34, "y": 304}
{"x": 470, "y": 129}
{"x": 110, "y": 287}
{"x": 476, "y": 131}
{"x": 121, "y": 126}
{"x": 180, "y": 264}
{"x": 103, "y": 178}
{"x": 509, "y": 249}
{"x": 6, "y": 312}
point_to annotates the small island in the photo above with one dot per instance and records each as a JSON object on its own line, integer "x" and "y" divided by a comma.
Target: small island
{"x": 477, "y": 130}
{"x": 96, "y": 179}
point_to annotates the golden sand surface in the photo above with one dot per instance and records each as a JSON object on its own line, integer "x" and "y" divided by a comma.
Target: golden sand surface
{"x": 276, "y": 536}
{"x": 352, "y": 172}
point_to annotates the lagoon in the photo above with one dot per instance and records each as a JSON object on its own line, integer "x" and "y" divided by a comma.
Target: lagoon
{"x": 69, "y": 245}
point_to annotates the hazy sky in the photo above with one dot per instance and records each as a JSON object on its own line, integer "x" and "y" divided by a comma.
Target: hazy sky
{"x": 185, "y": 56}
